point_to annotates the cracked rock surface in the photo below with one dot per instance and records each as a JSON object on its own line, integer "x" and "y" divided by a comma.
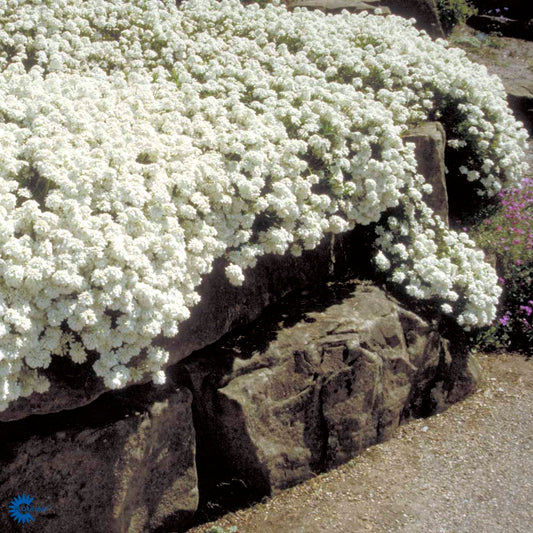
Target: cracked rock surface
{"x": 314, "y": 383}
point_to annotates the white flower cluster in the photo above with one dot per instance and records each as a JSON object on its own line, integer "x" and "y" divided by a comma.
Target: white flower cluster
{"x": 142, "y": 140}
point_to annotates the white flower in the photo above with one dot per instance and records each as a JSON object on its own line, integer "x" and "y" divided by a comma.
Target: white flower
{"x": 159, "y": 378}
{"x": 235, "y": 274}
{"x": 381, "y": 261}
{"x": 214, "y": 130}
{"x": 398, "y": 276}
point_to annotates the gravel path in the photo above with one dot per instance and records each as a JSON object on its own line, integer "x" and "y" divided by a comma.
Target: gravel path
{"x": 469, "y": 469}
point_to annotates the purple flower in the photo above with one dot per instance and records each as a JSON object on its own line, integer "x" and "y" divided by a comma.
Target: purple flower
{"x": 504, "y": 319}
{"x": 528, "y": 310}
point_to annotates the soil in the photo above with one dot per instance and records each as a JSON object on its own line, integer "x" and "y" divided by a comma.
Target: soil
{"x": 511, "y": 59}
{"x": 469, "y": 469}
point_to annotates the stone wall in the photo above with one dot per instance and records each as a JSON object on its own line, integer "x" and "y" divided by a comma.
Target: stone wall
{"x": 314, "y": 381}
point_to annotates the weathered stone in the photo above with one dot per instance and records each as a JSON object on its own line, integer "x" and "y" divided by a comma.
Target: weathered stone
{"x": 300, "y": 394}
{"x": 423, "y": 11}
{"x": 336, "y": 6}
{"x": 520, "y": 97}
{"x": 462, "y": 377}
{"x": 124, "y": 464}
{"x": 315, "y": 380}
{"x": 430, "y": 141}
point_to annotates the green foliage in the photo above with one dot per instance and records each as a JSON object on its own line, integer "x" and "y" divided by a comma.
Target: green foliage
{"x": 454, "y": 12}
{"x": 466, "y": 40}
{"x": 220, "y": 529}
{"x": 481, "y": 41}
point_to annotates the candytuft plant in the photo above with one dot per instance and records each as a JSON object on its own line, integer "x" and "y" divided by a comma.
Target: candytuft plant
{"x": 142, "y": 140}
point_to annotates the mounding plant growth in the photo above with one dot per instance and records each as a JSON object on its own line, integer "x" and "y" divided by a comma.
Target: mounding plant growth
{"x": 142, "y": 140}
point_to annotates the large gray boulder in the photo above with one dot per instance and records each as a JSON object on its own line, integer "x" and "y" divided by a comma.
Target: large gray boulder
{"x": 310, "y": 386}
{"x": 124, "y": 464}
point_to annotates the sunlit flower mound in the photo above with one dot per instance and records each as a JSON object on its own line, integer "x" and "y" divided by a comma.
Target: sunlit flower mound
{"x": 140, "y": 141}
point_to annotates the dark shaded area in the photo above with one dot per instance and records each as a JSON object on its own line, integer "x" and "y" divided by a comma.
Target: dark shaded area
{"x": 517, "y": 9}
{"x": 522, "y": 107}
{"x": 105, "y": 410}
{"x": 520, "y": 29}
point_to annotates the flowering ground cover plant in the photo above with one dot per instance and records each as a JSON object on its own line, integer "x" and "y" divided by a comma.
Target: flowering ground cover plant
{"x": 142, "y": 140}
{"x": 508, "y": 235}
